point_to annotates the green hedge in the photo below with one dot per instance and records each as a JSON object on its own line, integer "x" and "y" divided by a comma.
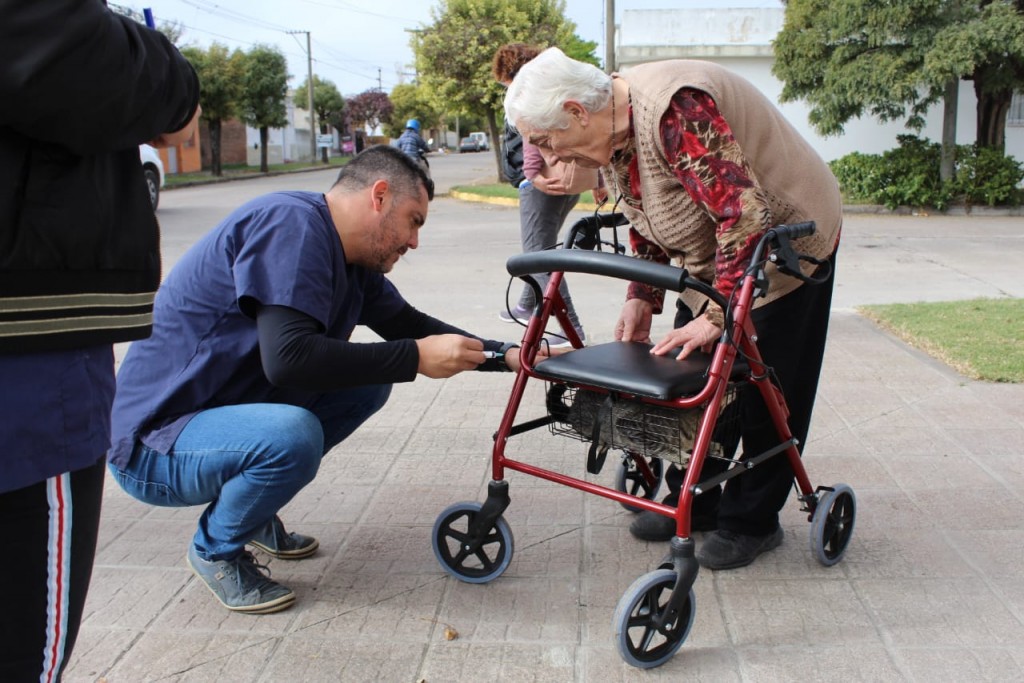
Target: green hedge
{"x": 909, "y": 176}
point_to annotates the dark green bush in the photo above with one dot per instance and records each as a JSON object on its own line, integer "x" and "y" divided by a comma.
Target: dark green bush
{"x": 986, "y": 176}
{"x": 908, "y": 175}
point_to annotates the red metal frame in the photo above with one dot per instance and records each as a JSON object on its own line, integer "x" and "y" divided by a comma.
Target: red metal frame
{"x": 719, "y": 372}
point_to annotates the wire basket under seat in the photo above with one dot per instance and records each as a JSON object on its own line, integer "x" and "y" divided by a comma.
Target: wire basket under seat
{"x": 646, "y": 429}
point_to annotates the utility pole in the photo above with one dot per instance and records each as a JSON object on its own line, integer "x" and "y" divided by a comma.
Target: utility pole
{"x": 609, "y": 35}
{"x": 312, "y": 114}
{"x": 380, "y": 81}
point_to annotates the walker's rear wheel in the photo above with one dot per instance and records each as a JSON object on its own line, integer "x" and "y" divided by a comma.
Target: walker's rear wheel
{"x": 630, "y": 479}
{"x": 640, "y": 642}
{"x": 832, "y": 524}
{"x": 467, "y": 558}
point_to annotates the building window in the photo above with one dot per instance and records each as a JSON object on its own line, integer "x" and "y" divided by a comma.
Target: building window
{"x": 1015, "y": 117}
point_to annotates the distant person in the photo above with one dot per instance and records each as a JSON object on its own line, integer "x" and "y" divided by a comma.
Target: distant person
{"x": 250, "y": 377}
{"x": 548, "y": 191}
{"x": 703, "y": 164}
{"x": 414, "y": 146}
{"x": 80, "y": 89}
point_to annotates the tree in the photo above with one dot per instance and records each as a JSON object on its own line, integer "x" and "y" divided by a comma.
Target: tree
{"x": 371, "y": 108}
{"x": 411, "y": 101}
{"x": 453, "y": 55}
{"x": 328, "y": 104}
{"x": 220, "y": 78}
{"x": 894, "y": 60}
{"x": 986, "y": 46}
{"x": 264, "y": 90}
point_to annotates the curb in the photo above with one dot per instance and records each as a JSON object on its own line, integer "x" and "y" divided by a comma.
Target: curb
{"x": 967, "y": 211}
{"x": 507, "y": 201}
{"x": 248, "y": 176}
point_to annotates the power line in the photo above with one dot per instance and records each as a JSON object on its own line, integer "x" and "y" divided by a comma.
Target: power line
{"x": 226, "y": 13}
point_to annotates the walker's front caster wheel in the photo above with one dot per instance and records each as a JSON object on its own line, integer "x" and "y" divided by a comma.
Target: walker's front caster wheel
{"x": 832, "y": 524}
{"x": 630, "y": 479}
{"x": 641, "y": 643}
{"x": 473, "y": 560}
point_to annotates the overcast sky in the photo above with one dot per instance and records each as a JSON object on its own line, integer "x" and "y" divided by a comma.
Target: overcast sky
{"x": 356, "y": 44}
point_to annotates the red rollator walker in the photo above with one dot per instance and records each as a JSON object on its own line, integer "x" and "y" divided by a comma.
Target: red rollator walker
{"x": 651, "y": 408}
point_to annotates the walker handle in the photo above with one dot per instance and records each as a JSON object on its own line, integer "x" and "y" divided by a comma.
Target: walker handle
{"x": 660, "y": 275}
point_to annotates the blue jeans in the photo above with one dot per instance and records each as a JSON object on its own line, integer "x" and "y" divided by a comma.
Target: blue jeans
{"x": 245, "y": 462}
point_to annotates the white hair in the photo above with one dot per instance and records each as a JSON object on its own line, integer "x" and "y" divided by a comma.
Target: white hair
{"x": 546, "y": 82}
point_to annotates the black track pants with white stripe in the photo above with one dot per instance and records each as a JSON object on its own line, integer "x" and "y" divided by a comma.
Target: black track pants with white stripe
{"x": 49, "y": 531}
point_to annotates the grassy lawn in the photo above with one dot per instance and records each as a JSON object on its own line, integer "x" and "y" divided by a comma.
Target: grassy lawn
{"x": 980, "y": 338}
{"x": 240, "y": 170}
{"x": 506, "y": 191}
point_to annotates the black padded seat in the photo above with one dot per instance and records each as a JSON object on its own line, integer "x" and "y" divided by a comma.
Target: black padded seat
{"x": 632, "y": 369}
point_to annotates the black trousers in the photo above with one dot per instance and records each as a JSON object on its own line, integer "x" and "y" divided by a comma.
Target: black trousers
{"x": 51, "y": 530}
{"x": 791, "y": 334}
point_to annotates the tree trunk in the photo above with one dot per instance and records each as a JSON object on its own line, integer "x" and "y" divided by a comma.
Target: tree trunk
{"x": 323, "y": 150}
{"x": 492, "y": 125}
{"x": 215, "y": 167}
{"x": 992, "y": 110}
{"x": 264, "y": 136}
{"x": 949, "y": 130}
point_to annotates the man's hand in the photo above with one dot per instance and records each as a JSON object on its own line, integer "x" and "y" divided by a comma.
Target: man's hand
{"x": 634, "y": 323}
{"x": 696, "y": 334}
{"x": 512, "y": 359}
{"x": 445, "y": 355}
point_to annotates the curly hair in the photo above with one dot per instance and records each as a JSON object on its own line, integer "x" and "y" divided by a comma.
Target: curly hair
{"x": 510, "y": 58}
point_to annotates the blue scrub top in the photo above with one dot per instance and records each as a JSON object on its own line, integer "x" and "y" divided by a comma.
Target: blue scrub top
{"x": 281, "y": 249}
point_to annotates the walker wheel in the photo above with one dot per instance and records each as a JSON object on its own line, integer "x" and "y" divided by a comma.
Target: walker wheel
{"x": 641, "y": 643}
{"x": 469, "y": 559}
{"x": 629, "y": 479}
{"x": 832, "y": 524}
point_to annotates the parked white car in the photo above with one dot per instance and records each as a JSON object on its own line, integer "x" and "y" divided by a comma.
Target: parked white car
{"x": 481, "y": 140}
{"x": 153, "y": 170}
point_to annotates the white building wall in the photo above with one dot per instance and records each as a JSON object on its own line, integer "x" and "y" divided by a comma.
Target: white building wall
{"x": 287, "y": 144}
{"x": 740, "y": 40}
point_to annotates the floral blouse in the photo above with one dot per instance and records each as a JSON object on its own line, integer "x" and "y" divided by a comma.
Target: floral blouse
{"x": 702, "y": 151}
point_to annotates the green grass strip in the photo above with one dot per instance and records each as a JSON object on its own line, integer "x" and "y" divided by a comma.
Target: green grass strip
{"x": 980, "y": 338}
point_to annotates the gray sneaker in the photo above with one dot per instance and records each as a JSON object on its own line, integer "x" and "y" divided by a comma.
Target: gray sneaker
{"x": 518, "y": 314}
{"x": 240, "y": 584}
{"x": 560, "y": 341}
{"x": 277, "y": 542}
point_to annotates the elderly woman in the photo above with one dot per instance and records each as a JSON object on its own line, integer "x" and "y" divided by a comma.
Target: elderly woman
{"x": 702, "y": 164}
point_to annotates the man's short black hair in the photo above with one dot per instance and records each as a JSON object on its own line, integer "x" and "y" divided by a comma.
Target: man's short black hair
{"x": 384, "y": 161}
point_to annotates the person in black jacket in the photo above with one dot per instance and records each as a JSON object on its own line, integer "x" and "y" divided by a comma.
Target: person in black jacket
{"x": 80, "y": 89}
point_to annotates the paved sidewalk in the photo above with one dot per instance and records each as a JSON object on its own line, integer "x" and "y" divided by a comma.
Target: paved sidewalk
{"x": 931, "y": 589}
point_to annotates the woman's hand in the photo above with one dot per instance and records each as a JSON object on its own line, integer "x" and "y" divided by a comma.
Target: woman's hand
{"x": 634, "y": 323}
{"x": 552, "y": 186}
{"x": 699, "y": 333}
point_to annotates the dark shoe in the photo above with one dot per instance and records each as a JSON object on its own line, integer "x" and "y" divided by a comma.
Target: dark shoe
{"x": 729, "y": 550}
{"x": 650, "y": 526}
{"x": 240, "y": 584}
{"x": 284, "y": 545}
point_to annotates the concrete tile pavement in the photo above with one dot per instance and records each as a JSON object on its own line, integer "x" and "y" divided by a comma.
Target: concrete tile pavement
{"x": 931, "y": 589}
